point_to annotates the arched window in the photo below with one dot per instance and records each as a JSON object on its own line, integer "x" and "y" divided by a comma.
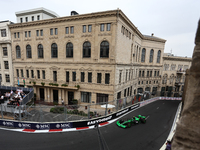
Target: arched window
{"x": 164, "y": 81}
{"x": 104, "y": 49}
{"x": 18, "y": 51}
{"x": 86, "y": 49}
{"x": 28, "y": 51}
{"x": 151, "y": 56}
{"x": 69, "y": 50}
{"x": 143, "y": 55}
{"x": 40, "y": 51}
{"x": 54, "y": 51}
{"x": 158, "y": 56}
{"x": 171, "y": 80}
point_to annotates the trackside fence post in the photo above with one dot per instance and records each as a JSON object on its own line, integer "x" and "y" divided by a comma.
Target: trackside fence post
{"x": 1, "y": 111}
{"x": 106, "y": 108}
{"x": 20, "y": 115}
{"x": 88, "y": 111}
{"x": 65, "y": 111}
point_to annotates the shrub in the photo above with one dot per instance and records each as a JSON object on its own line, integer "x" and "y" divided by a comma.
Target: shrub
{"x": 75, "y": 111}
{"x": 64, "y": 85}
{"x": 42, "y": 83}
{"x": 34, "y": 82}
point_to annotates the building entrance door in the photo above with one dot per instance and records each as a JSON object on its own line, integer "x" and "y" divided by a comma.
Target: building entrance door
{"x": 55, "y": 96}
{"x": 42, "y": 94}
{"x": 70, "y": 97}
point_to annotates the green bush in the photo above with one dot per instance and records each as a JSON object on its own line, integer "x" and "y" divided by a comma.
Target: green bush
{"x": 64, "y": 85}
{"x": 55, "y": 103}
{"x": 91, "y": 113}
{"x": 57, "y": 110}
{"x": 42, "y": 83}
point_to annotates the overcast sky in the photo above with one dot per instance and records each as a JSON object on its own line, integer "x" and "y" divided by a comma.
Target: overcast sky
{"x": 173, "y": 20}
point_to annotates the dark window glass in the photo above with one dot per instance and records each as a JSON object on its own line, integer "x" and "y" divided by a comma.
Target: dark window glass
{"x": 43, "y": 74}
{"x": 32, "y": 73}
{"x": 154, "y": 73}
{"x": 102, "y": 98}
{"x": 108, "y": 26}
{"x": 22, "y": 73}
{"x": 86, "y": 49}
{"x": 25, "y": 33}
{"x": 29, "y": 33}
{"x": 67, "y": 76}
{"x": 51, "y": 31}
{"x": 15, "y": 35}
{"x": 28, "y": 51}
{"x": 37, "y": 32}
{"x": 89, "y": 28}
{"x": 84, "y": 28}
{"x": 139, "y": 73}
{"x": 21, "y": 20}
{"x": 38, "y": 17}
{"x": 41, "y": 32}
{"x": 67, "y": 30}
{"x": 6, "y": 65}
{"x": 7, "y": 78}
{"x": 102, "y": 27}
{"x": 158, "y": 56}
{"x": 98, "y": 77}
{"x": 82, "y": 76}
{"x": 54, "y": 75}
{"x": 32, "y": 18}
{"x": 18, "y": 35}
{"x": 40, "y": 51}
{"x": 147, "y": 73}
{"x": 150, "y": 73}
{"x": 142, "y": 73}
{"x": 151, "y": 56}
{"x": 107, "y": 78}
{"x": 90, "y": 77}
{"x": 17, "y": 71}
{"x": 143, "y": 55}
{"x": 74, "y": 76}
{"x": 5, "y": 52}
{"x": 26, "y": 19}
{"x": 69, "y": 50}
{"x": 27, "y": 73}
{"x": 124, "y": 92}
{"x": 158, "y": 73}
{"x": 54, "y": 50}
{"x": 56, "y": 31}
{"x": 104, "y": 49}
{"x": 18, "y": 52}
{"x": 86, "y": 97}
{"x": 38, "y": 74}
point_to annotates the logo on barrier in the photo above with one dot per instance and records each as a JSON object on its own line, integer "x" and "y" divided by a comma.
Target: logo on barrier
{"x": 122, "y": 112}
{"x": 24, "y": 125}
{"x": 134, "y": 107}
{"x": 63, "y": 125}
{"x": 43, "y": 126}
{"x": 6, "y": 123}
{"x": 99, "y": 120}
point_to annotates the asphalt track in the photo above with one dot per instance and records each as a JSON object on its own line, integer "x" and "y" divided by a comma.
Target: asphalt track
{"x": 149, "y": 136}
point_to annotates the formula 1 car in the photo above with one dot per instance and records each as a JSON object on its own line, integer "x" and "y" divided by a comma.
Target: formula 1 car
{"x": 127, "y": 123}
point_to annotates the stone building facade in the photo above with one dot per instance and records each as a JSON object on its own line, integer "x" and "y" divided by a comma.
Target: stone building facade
{"x": 6, "y": 70}
{"x": 93, "y": 58}
{"x": 173, "y": 75}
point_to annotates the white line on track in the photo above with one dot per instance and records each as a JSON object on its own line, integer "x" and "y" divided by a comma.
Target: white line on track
{"x": 56, "y": 116}
{"x": 147, "y": 117}
{"x": 157, "y": 107}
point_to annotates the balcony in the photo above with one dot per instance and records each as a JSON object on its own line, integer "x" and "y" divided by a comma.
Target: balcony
{"x": 180, "y": 71}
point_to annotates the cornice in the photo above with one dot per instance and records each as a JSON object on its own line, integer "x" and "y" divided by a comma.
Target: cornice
{"x": 154, "y": 39}
{"x": 178, "y": 59}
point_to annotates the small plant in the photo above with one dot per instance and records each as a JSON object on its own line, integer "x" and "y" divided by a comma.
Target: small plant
{"x": 78, "y": 86}
{"x": 64, "y": 85}
{"x": 50, "y": 83}
{"x": 29, "y": 82}
{"x": 55, "y": 84}
{"x": 34, "y": 82}
{"x": 42, "y": 83}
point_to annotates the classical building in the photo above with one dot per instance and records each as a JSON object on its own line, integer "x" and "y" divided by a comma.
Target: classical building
{"x": 35, "y": 14}
{"x": 95, "y": 57}
{"x": 173, "y": 75}
{"x": 6, "y": 70}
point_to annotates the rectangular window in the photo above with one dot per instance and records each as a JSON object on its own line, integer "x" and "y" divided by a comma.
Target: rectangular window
{"x": 43, "y": 74}
{"x": 32, "y": 18}
{"x": 102, "y": 27}
{"x": 67, "y": 76}
{"x": 29, "y": 33}
{"x": 120, "y": 76}
{"x": 107, "y": 78}
{"x": 147, "y": 73}
{"x": 5, "y": 52}
{"x": 25, "y": 33}
{"x": 26, "y": 19}
{"x": 51, "y": 31}
{"x": 41, "y": 32}
{"x": 98, "y": 77}
{"x": 158, "y": 73}
{"x": 38, "y": 74}
{"x": 125, "y": 93}
{"x": 90, "y": 77}
{"x": 84, "y": 28}
{"x": 139, "y": 73}
{"x": 74, "y": 76}
{"x": 142, "y": 73}
{"x": 37, "y": 32}
{"x": 82, "y": 76}
{"x": 15, "y": 35}
{"x": 38, "y": 17}
{"x": 54, "y": 75}
{"x": 67, "y": 30}
{"x": 86, "y": 97}
{"x": 108, "y": 26}
{"x": 22, "y": 73}
{"x": 27, "y": 73}
{"x": 72, "y": 30}
{"x": 32, "y": 73}
{"x": 118, "y": 95}
{"x": 56, "y": 31}
{"x": 17, "y": 71}
{"x": 21, "y": 20}
{"x": 7, "y": 78}
{"x": 126, "y": 76}
{"x": 129, "y": 76}
{"x": 18, "y": 35}
{"x": 102, "y": 98}
{"x": 150, "y": 73}
{"x": 6, "y": 65}
{"x": 154, "y": 73}
{"x": 89, "y": 28}
{"x": 3, "y": 33}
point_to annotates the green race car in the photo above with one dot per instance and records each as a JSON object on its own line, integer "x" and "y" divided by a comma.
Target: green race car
{"x": 127, "y": 123}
